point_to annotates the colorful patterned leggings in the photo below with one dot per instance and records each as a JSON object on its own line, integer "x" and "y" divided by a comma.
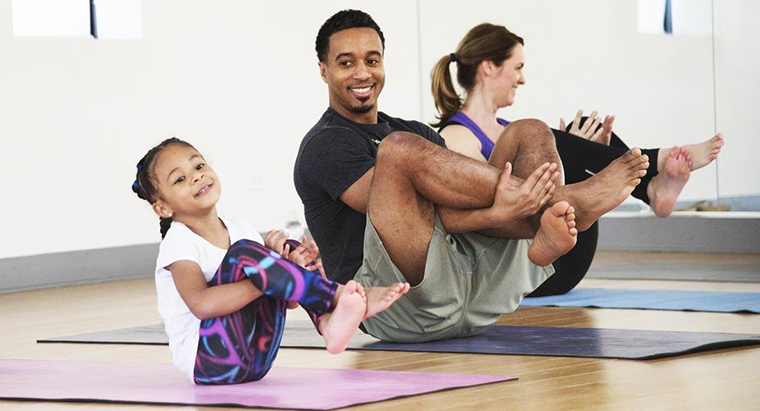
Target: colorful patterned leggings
{"x": 241, "y": 346}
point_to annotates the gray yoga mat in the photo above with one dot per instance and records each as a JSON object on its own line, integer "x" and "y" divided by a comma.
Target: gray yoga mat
{"x": 507, "y": 340}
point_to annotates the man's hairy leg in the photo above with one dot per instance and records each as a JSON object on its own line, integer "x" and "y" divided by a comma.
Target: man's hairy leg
{"x": 413, "y": 176}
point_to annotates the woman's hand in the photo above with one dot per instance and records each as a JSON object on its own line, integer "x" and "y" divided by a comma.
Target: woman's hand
{"x": 590, "y": 129}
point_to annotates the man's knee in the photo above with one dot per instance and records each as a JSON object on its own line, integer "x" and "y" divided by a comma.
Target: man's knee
{"x": 529, "y": 128}
{"x": 398, "y": 148}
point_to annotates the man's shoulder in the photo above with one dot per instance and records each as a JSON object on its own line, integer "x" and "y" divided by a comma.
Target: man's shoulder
{"x": 398, "y": 120}
{"x": 329, "y": 125}
{"x": 413, "y": 126}
{"x": 330, "y": 121}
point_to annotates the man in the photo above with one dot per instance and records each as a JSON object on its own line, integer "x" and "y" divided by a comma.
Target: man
{"x": 387, "y": 202}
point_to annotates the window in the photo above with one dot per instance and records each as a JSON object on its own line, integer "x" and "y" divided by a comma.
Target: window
{"x": 100, "y": 19}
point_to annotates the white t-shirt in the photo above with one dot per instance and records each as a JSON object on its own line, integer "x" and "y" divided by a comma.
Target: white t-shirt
{"x": 181, "y": 243}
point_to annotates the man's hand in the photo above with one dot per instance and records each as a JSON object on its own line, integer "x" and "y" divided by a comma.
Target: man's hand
{"x": 590, "y": 129}
{"x": 514, "y": 201}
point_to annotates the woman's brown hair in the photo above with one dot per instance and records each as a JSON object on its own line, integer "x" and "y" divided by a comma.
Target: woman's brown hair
{"x": 484, "y": 42}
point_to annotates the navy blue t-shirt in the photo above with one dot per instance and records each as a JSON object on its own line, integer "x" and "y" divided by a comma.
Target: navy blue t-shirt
{"x": 333, "y": 155}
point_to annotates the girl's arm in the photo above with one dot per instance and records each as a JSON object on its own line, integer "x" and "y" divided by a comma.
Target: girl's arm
{"x": 208, "y": 302}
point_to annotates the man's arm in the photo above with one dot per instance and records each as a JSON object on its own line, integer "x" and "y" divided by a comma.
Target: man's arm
{"x": 357, "y": 195}
{"x": 482, "y": 221}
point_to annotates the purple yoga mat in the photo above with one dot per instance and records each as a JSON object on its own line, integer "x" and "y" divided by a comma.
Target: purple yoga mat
{"x": 292, "y": 388}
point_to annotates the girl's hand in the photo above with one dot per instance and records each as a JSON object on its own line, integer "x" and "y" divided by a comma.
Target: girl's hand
{"x": 302, "y": 255}
{"x": 275, "y": 241}
{"x": 306, "y": 255}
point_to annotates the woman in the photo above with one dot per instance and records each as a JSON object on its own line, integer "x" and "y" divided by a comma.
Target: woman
{"x": 489, "y": 63}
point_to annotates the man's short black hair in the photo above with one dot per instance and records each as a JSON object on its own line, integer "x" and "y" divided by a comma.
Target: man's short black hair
{"x": 343, "y": 20}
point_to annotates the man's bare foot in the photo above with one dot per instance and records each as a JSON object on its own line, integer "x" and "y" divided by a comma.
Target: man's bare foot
{"x": 556, "y": 235}
{"x": 380, "y": 298}
{"x": 604, "y": 191}
{"x": 705, "y": 152}
{"x": 665, "y": 187}
{"x": 338, "y": 326}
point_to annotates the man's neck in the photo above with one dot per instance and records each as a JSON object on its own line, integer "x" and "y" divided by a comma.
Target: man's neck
{"x": 369, "y": 117}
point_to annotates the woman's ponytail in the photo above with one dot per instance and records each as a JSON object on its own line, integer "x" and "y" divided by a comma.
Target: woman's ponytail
{"x": 447, "y": 100}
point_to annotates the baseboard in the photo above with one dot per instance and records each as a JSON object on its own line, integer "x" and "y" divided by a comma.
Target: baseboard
{"x": 77, "y": 267}
{"x": 714, "y": 232}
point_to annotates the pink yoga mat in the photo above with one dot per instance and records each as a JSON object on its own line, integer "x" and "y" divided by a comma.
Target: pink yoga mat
{"x": 292, "y": 388}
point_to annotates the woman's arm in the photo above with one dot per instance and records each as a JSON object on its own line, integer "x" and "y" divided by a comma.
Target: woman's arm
{"x": 208, "y": 302}
{"x": 460, "y": 139}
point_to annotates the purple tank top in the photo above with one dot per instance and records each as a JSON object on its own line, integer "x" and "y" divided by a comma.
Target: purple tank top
{"x": 486, "y": 145}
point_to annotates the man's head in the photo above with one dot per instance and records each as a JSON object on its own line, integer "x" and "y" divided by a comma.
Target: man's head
{"x": 350, "y": 48}
{"x": 343, "y": 20}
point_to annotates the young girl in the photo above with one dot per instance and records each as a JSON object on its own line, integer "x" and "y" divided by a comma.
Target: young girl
{"x": 223, "y": 329}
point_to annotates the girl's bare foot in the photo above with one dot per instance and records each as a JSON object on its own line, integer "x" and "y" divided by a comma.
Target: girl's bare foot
{"x": 604, "y": 191}
{"x": 380, "y": 298}
{"x": 665, "y": 187}
{"x": 338, "y": 326}
{"x": 705, "y": 152}
{"x": 556, "y": 235}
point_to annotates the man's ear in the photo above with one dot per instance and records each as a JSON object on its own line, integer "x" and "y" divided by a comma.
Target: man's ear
{"x": 323, "y": 71}
{"x": 162, "y": 210}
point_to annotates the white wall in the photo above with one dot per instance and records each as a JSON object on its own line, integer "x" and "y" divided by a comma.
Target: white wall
{"x": 737, "y": 69}
{"x": 239, "y": 79}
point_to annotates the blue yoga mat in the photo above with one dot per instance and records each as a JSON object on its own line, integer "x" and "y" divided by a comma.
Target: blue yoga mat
{"x": 706, "y": 301}
{"x": 543, "y": 341}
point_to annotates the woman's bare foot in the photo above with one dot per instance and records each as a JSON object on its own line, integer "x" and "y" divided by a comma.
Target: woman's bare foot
{"x": 604, "y": 191}
{"x": 665, "y": 187}
{"x": 705, "y": 152}
{"x": 556, "y": 236}
{"x": 338, "y": 326}
{"x": 380, "y": 298}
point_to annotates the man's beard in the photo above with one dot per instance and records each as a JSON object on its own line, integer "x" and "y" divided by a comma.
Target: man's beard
{"x": 362, "y": 109}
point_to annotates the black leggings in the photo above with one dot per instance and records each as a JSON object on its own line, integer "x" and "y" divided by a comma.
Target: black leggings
{"x": 579, "y": 157}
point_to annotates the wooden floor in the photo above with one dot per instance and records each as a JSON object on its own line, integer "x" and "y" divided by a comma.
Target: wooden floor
{"x": 726, "y": 379}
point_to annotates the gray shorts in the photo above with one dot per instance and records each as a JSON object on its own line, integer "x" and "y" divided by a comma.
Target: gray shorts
{"x": 470, "y": 281}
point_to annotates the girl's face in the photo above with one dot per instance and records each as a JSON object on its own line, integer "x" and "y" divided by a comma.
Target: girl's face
{"x": 508, "y": 77}
{"x": 187, "y": 186}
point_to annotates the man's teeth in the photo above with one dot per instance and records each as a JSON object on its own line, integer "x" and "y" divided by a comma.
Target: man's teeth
{"x": 361, "y": 90}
